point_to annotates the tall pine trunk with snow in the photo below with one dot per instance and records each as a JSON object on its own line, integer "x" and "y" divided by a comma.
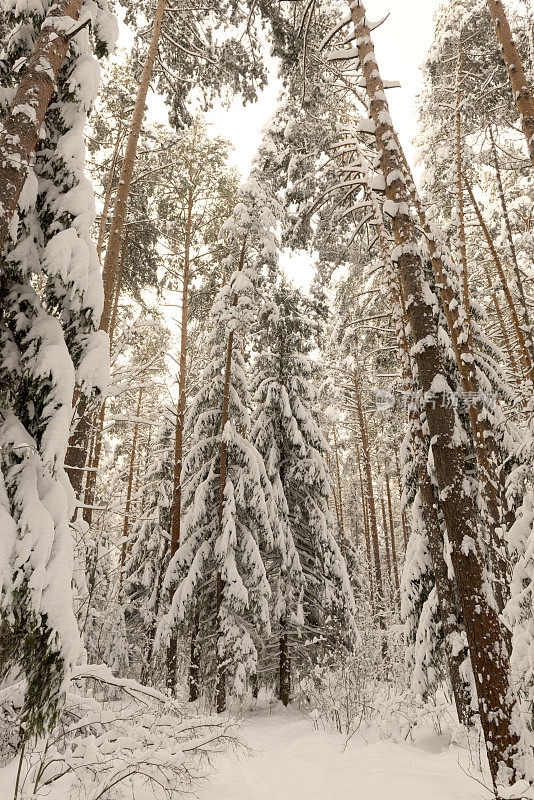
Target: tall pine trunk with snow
{"x": 499, "y": 711}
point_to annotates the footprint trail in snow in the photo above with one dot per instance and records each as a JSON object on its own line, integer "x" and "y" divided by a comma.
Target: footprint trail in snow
{"x": 292, "y": 761}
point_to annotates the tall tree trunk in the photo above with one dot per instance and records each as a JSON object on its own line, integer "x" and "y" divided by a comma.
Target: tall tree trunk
{"x": 518, "y": 80}
{"x": 519, "y": 288}
{"x": 366, "y": 533}
{"x": 123, "y": 189}
{"x": 334, "y": 492}
{"x": 124, "y": 547}
{"x": 527, "y": 358}
{"x": 176, "y": 509}
{"x": 499, "y": 712}
{"x": 117, "y": 291}
{"x": 76, "y": 457}
{"x": 393, "y": 542}
{"x": 399, "y": 489}
{"x": 371, "y": 507}
{"x": 386, "y": 539}
{"x": 285, "y": 669}
{"x": 339, "y": 495}
{"x": 98, "y": 422}
{"x": 107, "y": 195}
{"x": 20, "y": 132}
{"x": 460, "y": 190}
{"x": 92, "y": 475}
{"x": 445, "y": 589}
{"x": 492, "y": 478}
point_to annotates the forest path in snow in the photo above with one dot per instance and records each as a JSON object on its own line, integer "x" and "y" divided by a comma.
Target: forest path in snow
{"x": 292, "y": 761}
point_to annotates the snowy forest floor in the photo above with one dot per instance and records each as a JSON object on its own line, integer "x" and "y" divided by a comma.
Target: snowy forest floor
{"x": 290, "y": 760}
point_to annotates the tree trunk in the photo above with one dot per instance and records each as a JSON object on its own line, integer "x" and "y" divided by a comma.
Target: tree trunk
{"x": 519, "y": 289}
{"x": 499, "y": 713}
{"x": 76, "y": 457}
{"x": 176, "y": 509}
{"x": 518, "y": 80}
{"x": 446, "y": 591}
{"x": 366, "y": 533}
{"x": 124, "y": 547}
{"x": 492, "y": 478}
{"x": 107, "y": 196}
{"x": 123, "y": 190}
{"x": 527, "y": 358}
{"x": 386, "y": 539}
{"x": 460, "y": 191}
{"x": 399, "y": 488}
{"x": 285, "y": 670}
{"x": 339, "y": 495}
{"x": 393, "y": 542}
{"x": 371, "y": 508}
{"x": 194, "y": 660}
{"x": 20, "y": 131}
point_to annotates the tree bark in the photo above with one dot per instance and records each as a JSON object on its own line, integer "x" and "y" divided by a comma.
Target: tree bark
{"x": 124, "y": 546}
{"x": 518, "y": 80}
{"x": 399, "y": 489}
{"x": 285, "y": 670}
{"x": 519, "y": 289}
{"x": 492, "y": 478}
{"x": 446, "y": 591}
{"x": 121, "y": 198}
{"x": 386, "y": 539}
{"x": 527, "y": 358}
{"x": 499, "y": 713}
{"x": 107, "y": 196}
{"x": 366, "y": 533}
{"x": 339, "y": 495}
{"x": 393, "y": 542}
{"x": 20, "y": 131}
{"x": 371, "y": 507}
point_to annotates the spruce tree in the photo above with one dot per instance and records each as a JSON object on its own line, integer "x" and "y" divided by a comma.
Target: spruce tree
{"x": 50, "y": 303}
{"x": 313, "y": 601}
{"x": 217, "y": 574}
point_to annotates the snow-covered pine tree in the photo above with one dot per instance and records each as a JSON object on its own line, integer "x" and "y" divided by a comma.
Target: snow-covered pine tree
{"x": 217, "y": 573}
{"x": 50, "y": 303}
{"x": 313, "y": 601}
{"x": 149, "y": 556}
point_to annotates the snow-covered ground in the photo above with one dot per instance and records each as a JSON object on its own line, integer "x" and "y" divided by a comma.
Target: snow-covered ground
{"x": 292, "y": 761}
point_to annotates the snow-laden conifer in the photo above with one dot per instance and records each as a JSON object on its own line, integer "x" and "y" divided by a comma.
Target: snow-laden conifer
{"x": 50, "y": 302}
{"x": 149, "y": 555}
{"x": 218, "y": 572}
{"x": 312, "y": 594}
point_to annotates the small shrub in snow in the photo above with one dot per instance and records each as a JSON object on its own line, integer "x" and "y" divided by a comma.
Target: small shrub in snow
{"x": 118, "y": 748}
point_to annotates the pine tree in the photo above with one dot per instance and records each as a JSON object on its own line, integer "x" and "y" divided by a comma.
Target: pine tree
{"x": 218, "y": 573}
{"x": 149, "y": 557}
{"x": 312, "y": 595}
{"x": 498, "y": 705}
{"x": 51, "y": 298}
